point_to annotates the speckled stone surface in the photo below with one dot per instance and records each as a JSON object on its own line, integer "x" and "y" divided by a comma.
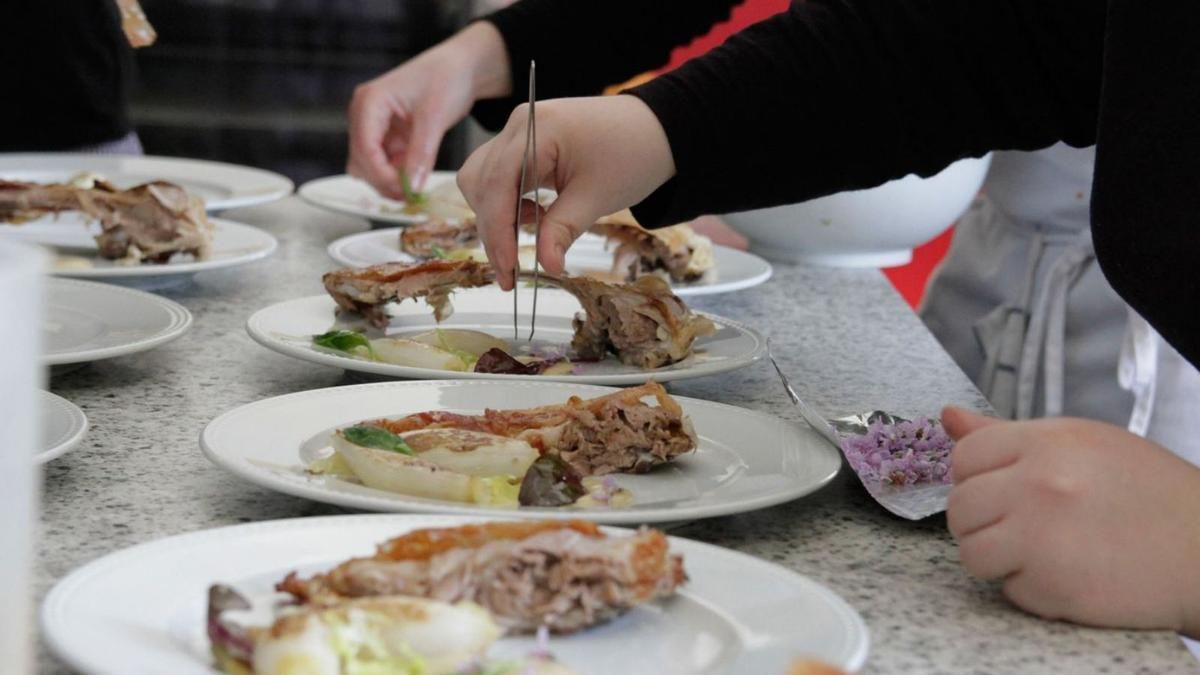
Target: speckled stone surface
{"x": 847, "y": 340}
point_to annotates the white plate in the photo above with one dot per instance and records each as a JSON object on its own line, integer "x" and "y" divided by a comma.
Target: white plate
{"x": 88, "y": 321}
{"x": 63, "y": 427}
{"x": 287, "y": 328}
{"x": 141, "y": 610}
{"x": 746, "y": 460}
{"x": 222, "y": 186}
{"x": 72, "y": 240}
{"x": 734, "y": 270}
{"x": 350, "y": 195}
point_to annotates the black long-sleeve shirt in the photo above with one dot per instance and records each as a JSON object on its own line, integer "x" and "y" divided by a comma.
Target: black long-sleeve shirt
{"x": 840, "y": 94}
{"x": 67, "y": 73}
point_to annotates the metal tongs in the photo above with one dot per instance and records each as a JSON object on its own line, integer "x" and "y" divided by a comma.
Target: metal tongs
{"x": 528, "y": 166}
{"x": 818, "y": 423}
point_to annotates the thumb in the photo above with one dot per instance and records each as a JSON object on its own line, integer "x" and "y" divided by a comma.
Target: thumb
{"x": 567, "y": 218}
{"x": 959, "y": 422}
{"x": 428, "y": 127}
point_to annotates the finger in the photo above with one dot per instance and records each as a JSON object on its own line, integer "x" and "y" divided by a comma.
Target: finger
{"x": 959, "y": 421}
{"x": 1023, "y": 590}
{"x": 567, "y": 218}
{"x": 489, "y": 187}
{"x": 994, "y": 552}
{"x": 989, "y": 449}
{"x": 428, "y": 127}
{"x": 980, "y": 502}
{"x": 371, "y": 116}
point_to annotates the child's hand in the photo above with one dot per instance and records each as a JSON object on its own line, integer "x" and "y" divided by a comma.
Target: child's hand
{"x": 1082, "y": 520}
{"x": 601, "y": 154}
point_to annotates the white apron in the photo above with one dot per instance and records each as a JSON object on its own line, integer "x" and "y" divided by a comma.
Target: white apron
{"x": 1024, "y": 309}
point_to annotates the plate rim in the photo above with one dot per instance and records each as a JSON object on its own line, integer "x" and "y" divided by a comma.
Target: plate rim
{"x": 142, "y": 271}
{"x": 56, "y": 599}
{"x": 399, "y": 219}
{"x": 767, "y": 270}
{"x": 79, "y": 427}
{"x": 386, "y": 369}
{"x": 239, "y": 467}
{"x": 283, "y": 186}
{"x": 180, "y": 321}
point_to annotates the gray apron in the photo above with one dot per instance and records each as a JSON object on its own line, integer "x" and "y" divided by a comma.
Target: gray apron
{"x": 1022, "y": 306}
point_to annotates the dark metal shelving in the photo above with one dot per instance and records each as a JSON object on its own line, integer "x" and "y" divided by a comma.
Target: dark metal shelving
{"x": 266, "y": 82}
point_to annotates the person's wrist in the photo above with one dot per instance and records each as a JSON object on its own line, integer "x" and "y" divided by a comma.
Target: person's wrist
{"x": 650, "y": 136}
{"x": 479, "y": 50}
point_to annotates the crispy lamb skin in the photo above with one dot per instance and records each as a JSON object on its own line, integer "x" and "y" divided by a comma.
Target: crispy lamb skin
{"x": 616, "y": 433}
{"x": 565, "y": 575}
{"x": 368, "y": 290}
{"x": 151, "y": 222}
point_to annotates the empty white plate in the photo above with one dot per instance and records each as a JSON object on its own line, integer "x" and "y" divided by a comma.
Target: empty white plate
{"x": 141, "y": 610}
{"x": 352, "y": 196}
{"x": 73, "y": 244}
{"x": 734, "y": 269}
{"x": 746, "y": 460}
{"x": 221, "y": 185}
{"x": 87, "y": 321}
{"x": 288, "y": 328}
{"x": 63, "y": 427}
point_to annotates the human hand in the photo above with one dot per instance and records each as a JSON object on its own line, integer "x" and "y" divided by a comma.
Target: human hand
{"x": 1081, "y": 520}
{"x": 720, "y": 232}
{"x": 601, "y": 154}
{"x": 399, "y": 118}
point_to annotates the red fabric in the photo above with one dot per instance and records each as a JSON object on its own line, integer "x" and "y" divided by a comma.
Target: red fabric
{"x": 908, "y": 280}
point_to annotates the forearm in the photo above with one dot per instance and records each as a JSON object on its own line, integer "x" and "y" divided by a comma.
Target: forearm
{"x": 842, "y": 94}
{"x": 583, "y": 46}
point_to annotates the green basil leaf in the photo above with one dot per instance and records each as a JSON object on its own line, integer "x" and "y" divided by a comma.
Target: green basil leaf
{"x": 439, "y": 253}
{"x": 341, "y": 340}
{"x": 380, "y": 439}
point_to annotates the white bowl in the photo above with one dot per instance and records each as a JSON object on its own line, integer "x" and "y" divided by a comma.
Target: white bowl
{"x": 877, "y": 227}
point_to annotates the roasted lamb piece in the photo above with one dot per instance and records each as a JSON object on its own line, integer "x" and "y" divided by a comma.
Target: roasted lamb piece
{"x": 565, "y": 575}
{"x": 149, "y": 222}
{"x": 368, "y": 290}
{"x": 423, "y": 240}
{"x": 677, "y": 251}
{"x": 617, "y": 433}
{"x": 643, "y": 322}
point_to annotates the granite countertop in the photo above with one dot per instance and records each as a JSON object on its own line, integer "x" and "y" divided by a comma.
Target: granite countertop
{"x": 845, "y": 337}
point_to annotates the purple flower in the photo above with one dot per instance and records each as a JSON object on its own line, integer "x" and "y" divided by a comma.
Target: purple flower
{"x": 905, "y": 453}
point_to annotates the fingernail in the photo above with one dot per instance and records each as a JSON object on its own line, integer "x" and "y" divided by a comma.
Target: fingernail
{"x": 417, "y": 178}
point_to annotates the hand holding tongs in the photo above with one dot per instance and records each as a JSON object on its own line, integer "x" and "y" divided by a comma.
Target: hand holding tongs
{"x": 528, "y": 162}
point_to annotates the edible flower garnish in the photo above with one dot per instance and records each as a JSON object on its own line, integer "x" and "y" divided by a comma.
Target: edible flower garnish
{"x": 903, "y": 453}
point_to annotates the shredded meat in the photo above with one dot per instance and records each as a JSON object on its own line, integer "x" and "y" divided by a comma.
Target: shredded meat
{"x": 567, "y": 576}
{"x": 677, "y": 251}
{"x": 150, "y": 222}
{"x": 617, "y": 433}
{"x": 368, "y": 290}
{"x": 643, "y": 322}
{"x": 423, "y": 239}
